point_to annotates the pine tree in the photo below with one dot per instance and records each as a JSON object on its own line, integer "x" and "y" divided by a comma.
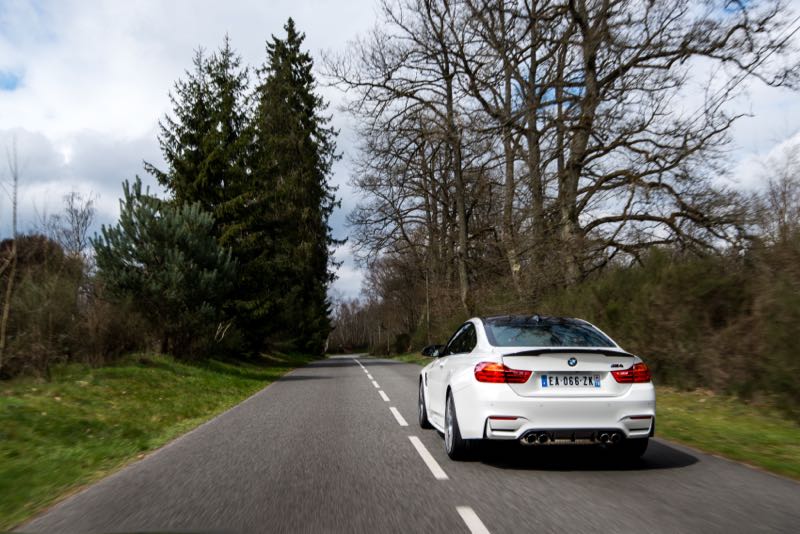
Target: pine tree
{"x": 163, "y": 257}
{"x": 205, "y": 141}
{"x": 285, "y": 238}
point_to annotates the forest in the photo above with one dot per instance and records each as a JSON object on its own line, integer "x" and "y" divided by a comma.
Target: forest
{"x": 554, "y": 158}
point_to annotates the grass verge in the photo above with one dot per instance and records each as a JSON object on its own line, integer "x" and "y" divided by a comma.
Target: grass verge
{"x": 58, "y": 436}
{"x": 757, "y": 434}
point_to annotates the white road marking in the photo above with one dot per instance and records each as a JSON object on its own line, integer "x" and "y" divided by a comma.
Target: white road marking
{"x": 396, "y": 414}
{"x": 376, "y": 385}
{"x": 384, "y": 396}
{"x": 366, "y": 371}
{"x": 359, "y": 363}
{"x": 472, "y": 520}
{"x": 369, "y": 376}
{"x": 436, "y": 469}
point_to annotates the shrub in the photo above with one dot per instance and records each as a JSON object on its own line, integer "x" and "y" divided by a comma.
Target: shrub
{"x": 163, "y": 259}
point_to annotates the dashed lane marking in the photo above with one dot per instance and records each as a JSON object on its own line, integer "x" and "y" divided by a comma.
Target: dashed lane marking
{"x": 396, "y": 414}
{"x": 472, "y": 520}
{"x": 433, "y": 465}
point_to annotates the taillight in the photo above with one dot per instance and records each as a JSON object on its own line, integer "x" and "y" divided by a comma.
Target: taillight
{"x": 635, "y": 375}
{"x": 497, "y": 373}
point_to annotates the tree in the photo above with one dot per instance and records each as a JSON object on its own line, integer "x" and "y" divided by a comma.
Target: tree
{"x": 779, "y": 206}
{"x": 409, "y": 70}
{"x": 281, "y": 235}
{"x": 70, "y": 229}
{"x": 165, "y": 259}
{"x": 205, "y": 141}
{"x": 580, "y": 98}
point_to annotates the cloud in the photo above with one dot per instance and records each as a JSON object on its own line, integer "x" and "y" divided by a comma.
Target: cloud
{"x": 349, "y": 277}
{"x": 88, "y": 162}
{"x": 752, "y": 170}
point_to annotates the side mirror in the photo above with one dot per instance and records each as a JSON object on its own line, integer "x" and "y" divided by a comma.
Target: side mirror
{"x": 432, "y": 351}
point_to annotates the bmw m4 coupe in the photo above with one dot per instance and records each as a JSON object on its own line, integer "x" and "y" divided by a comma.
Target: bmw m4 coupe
{"x": 537, "y": 380}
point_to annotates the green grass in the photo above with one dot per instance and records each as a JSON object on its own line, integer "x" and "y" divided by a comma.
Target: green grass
{"x": 413, "y": 358}
{"x": 58, "y": 436}
{"x": 757, "y": 434}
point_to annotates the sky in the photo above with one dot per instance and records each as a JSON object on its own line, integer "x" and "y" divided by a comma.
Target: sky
{"x": 83, "y": 84}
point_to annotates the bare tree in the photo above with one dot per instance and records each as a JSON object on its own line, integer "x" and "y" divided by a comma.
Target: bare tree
{"x": 412, "y": 71}
{"x": 70, "y": 228}
{"x": 779, "y": 205}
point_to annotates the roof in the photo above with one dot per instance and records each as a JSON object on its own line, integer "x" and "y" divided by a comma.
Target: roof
{"x": 529, "y": 319}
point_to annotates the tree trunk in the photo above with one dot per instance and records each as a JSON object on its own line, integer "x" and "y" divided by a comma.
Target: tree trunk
{"x": 535, "y": 182}
{"x": 454, "y": 138}
{"x": 569, "y": 227}
{"x": 509, "y": 233}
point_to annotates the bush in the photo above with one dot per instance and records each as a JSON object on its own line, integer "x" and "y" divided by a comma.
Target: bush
{"x": 44, "y": 307}
{"x": 163, "y": 259}
{"x": 56, "y": 315}
{"x": 724, "y": 323}
{"x": 110, "y": 330}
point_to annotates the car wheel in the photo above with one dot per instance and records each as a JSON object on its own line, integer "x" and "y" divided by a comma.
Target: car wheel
{"x": 422, "y": 411}
{"x": 455, "y": 446}
{"x": 631, "y": 449}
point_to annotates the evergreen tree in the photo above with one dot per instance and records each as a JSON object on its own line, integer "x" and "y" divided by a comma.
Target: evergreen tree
{"x": 204, "y": 142}
{"x": 283, "y": 236}
{"x": 164, "y": 258}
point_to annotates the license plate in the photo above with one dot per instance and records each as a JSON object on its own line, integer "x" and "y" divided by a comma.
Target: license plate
{"x": 570, "y": 380}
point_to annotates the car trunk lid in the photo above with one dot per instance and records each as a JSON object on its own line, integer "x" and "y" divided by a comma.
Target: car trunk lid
{"x": 568, "y": 372}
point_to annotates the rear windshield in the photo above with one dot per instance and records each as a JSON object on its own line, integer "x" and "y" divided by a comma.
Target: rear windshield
{"x": 544, "y": 333}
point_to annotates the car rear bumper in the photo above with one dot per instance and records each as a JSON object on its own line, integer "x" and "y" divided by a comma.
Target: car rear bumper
{"x": 496, "y": 412}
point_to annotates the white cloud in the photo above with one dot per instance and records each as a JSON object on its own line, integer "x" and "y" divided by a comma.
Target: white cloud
{"x": 751, "y": 171}
{"x": 348, "y": 282}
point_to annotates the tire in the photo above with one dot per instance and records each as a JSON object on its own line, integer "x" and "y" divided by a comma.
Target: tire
{"x": 422, "y": 412}
{"x": 455, "y": 446}
{"x": 631, "y": 449}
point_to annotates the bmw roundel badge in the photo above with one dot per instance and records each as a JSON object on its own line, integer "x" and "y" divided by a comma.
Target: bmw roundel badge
{"x": 572, "y": 362}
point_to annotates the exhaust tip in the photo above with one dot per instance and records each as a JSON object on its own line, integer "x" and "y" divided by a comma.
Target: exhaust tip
{"x": 615, "y": 437}
{"x": 604, "y": 438}
{"x": 535, "y": 438}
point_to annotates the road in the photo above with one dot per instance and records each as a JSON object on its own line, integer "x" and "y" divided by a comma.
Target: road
{"x": 327, "y": 449}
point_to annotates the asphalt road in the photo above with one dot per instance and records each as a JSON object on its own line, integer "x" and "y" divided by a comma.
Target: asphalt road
{"x": 322, "y": 450}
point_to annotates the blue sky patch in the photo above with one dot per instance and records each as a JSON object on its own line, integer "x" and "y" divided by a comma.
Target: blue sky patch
{"x": 9, "y": 80}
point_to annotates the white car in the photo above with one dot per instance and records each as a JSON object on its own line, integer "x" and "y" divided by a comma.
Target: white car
{"x": 540, "y": 381}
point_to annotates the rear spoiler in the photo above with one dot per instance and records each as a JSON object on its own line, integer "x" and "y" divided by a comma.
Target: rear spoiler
{"x": 579, "y": 350}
